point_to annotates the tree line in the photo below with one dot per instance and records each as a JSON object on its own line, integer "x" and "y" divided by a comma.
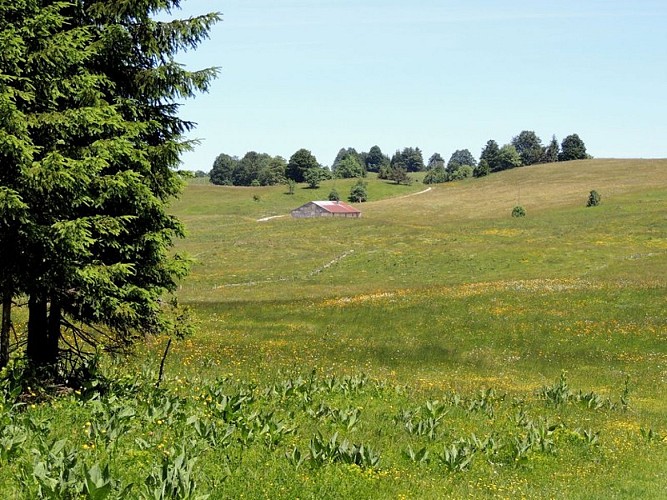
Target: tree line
{"x": 90, "y": 138}
{"x": 261, "y": 169}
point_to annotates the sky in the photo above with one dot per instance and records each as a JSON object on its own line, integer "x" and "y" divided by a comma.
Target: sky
{"x": 438, "y": 75}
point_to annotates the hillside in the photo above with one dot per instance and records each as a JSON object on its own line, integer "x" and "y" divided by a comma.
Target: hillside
{"x": 434, "y": 348}
{"x": 443, "y": 297}
{"x": 456, "y": 233}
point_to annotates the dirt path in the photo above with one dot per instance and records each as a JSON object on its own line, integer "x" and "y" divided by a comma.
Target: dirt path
{"x": 264, "y": 219}
{"x": 411, "y": 194}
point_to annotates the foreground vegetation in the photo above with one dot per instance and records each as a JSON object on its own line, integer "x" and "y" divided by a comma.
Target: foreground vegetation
{"x": 434, "y": 347}
{"x": 315, "y": 435}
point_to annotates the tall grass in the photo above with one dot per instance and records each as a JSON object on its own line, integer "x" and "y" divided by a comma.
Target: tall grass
{"x": 435, "y": 347}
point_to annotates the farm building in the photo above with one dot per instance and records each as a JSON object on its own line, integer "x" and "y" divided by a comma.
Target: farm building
{"x": 325, "y": 209}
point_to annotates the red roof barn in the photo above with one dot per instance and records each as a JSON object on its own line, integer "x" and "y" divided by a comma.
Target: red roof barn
{"x": 325, "y": 209}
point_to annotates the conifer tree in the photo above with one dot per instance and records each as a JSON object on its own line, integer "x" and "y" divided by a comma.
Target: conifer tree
{"x": 15, "y": 154}
{"x": 103, "y": 120}
{"x": 551, "y": 151}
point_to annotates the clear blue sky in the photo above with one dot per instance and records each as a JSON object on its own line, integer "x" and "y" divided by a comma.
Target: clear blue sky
{"x": 440, "y": 75}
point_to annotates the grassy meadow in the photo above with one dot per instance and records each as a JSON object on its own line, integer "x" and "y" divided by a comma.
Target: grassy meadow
{"x": 436, "y": 347}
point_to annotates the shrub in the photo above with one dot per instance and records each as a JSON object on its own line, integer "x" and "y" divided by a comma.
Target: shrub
{"x": 518, "y": 211}
{"x": 593, "y": 199}
{"x": 462, "y": 172}
{"x": 313, "y": 176}
{"x": 482, "y": 169}
{"x": 333, "y": 195}
{"x": 436, "y": 176}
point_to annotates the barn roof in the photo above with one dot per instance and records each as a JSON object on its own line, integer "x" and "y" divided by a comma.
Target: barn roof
{"x": 336, "y": 207}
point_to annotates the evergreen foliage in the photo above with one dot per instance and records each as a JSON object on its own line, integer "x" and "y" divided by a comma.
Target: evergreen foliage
{"x": 348, "y": 154}
{"x": 551, "y": 151}
{"x": 89, "y": 155}
{"x": 518, "y": 211}
{"x": 399, "y": 175}
{"x": 435, "y": 161}
{"x": 490, "y": 154}
{"x": 594, "y": 199}
{"x": 482, "y": 169}
{"x": 410, "y": 159}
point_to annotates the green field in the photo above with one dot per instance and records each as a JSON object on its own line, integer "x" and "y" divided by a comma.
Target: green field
{"x": 474, "y": 354}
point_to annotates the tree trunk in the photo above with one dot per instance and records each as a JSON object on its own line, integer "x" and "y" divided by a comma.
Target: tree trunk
{"x": 53, "y": 337}
{"x": 6, "y": 326}
{"x": 38, "y": 346}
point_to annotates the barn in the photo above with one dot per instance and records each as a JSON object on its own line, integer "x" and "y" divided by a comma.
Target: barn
{"x": 325, "y": 209}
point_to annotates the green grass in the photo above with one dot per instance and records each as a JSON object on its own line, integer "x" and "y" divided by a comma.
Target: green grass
{"x": 441, "y": 296}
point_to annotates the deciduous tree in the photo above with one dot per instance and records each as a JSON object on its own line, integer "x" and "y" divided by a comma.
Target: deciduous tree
{"x": 529, "y": 147}
{"x": 459, "y": 158}
{"x": 376, "y": 159}
{"x": 274, "y": 173}
{"x": 223, "y": 169}
{"x": 349, "y": 167}
{"x": 314, "y": 176}
{"x": 508, "y": 157}
{"x": 358, "y": 193}
{"x": 436, "y": 175}
{"x": 435, "y": 161}
{"x": 572, "y": 148}
{"x": 299, "y": 163}
{"x": 250, "y": 168}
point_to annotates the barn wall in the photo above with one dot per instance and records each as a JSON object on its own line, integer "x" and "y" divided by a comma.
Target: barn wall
{"x": 313, "y": 210}
{"x": 310, "y": 210}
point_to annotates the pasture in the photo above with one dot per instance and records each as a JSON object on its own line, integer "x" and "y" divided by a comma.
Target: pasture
{"x": 435, "y": 347}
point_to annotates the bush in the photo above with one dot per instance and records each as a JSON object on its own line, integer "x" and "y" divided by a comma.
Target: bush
{"x": 436, "y": 176}
{"x": 313, "y": 176}
{"x": 333, "y": 195}
{"x": 518, "y": 211}
{"x": 482, "y": 169}
{"x": 593, "y": 199}
{"x": 462, "y": 172}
